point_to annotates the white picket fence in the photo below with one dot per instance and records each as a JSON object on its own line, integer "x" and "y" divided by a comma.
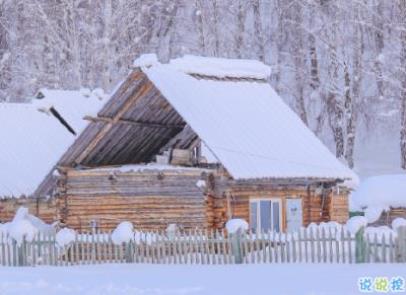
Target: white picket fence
{"x": 208, "y": 247}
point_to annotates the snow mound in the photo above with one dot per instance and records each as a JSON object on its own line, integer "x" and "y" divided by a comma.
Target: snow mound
{"x": 123, "y": 233}
{"x": 65, "y": 237}
{"x": 354, "y": 224}
{"x": 379, "y": 193}
{"x": 234, "y": 225}
{"x": 25, "y": 226}
{"x": 398, "y": 222}
{"x": 146, "y": 60}
{"x": 22, "y": 230}
{"x": 221, "y": 67}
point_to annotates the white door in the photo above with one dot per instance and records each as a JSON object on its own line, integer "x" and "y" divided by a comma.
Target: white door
{"x": 294, "y": 215}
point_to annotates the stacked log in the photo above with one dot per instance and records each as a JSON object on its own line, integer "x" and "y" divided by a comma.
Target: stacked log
{"x": 41, "y": 207}
{"x": 151, "y": 199}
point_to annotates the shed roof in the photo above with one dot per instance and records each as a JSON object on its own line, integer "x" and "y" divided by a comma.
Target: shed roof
{"x": 247, "y": 126}
{"x": 33, "y": 139}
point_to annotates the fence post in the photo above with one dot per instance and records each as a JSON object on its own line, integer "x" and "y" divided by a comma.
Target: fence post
{"x": 360, "y": 246}
{"x": 401, "y": 245}
{"x": 129, "y": 257}
{"x": 21, "y": 253}
{"x": 236, "y": 246}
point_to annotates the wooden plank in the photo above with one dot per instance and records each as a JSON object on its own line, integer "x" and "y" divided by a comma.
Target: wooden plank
{"x": 313, "y": 260}
{"x": 368, "y": 248}
{"x": 287, "y": 248}
{"x": 270, "y": 247}
{"x": 375, "y": 246}
{"x": 349, "y": 243}
{"x": 324, "y": 244}
{"x": 294, "y": 250}
{"x": 383, "y": 249}
{"x": 306, "y": 241}
{"x": 3, "y": 249}
{"x": 318, "y": 245}
{"x": 133, "y": 122}
{"x": 342, "y": 239}
{"x": 391, "y": 249}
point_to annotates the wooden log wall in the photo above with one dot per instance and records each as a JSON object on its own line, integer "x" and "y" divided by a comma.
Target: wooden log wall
{"x": 43, "y": 208}
{"x": 339, "y": 207}
{"x": 314, "y": 209}
{"x": 149, "y": 199}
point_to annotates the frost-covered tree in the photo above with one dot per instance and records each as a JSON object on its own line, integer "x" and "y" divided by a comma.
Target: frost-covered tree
{"x": 339, "y": 64}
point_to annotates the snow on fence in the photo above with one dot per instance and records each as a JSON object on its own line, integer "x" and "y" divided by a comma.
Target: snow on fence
{"x": 209, "y": 247}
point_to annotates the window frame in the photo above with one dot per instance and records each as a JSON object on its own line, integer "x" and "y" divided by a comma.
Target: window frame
{"x": 258, "y": 213}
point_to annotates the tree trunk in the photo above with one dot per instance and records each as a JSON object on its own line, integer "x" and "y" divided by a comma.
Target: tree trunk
{"x": 403, "y": 84}
{"x": 258, "y": 30}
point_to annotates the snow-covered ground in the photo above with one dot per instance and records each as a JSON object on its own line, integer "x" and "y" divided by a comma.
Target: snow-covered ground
{"x": 309, "y": 279}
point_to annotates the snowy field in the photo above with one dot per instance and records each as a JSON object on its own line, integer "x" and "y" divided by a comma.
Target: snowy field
{"x": 208, "y": 280}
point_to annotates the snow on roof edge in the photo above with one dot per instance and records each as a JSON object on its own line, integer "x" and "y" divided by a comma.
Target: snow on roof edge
{"x": 221, "y": 67}
{"x": 210, "y": 66}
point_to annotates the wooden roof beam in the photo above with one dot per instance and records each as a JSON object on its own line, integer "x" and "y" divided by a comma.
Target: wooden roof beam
{"x": 127, "y": 105}
{"x": 132, "y": 122}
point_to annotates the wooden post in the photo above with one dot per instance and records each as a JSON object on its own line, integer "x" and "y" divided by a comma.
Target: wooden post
{"x": 236, "y": 246}
{"x": 21, "y": 256}
{"x": 129, "y": 258}
{"x": 401, "y": 245}
{"x": 360, "y": 246}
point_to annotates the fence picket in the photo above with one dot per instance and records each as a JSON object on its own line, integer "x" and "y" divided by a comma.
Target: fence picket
{"x": 306, "y": 241}
{"x": 324, "y": 244}
{"x": 318, "y": 246}
{"x": 294, "y": 252}
{"x": 391, "y": 249}
{"x": 287, "y": 247}
{"x": 312, "y": 245}
{"x": 263, "y": 247}
{"x": 376, "y": 257}
{"x": 342, "y": 236}
{"x": 3, "y": 250}
{"x": 367, "y": 248}
{"x": 383, "y": 247}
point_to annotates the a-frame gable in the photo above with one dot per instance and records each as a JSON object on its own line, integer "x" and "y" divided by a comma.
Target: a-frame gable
{"x": 133, "y": 126}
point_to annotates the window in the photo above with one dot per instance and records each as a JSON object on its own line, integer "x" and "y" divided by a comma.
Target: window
{"x": 265, "y": 214}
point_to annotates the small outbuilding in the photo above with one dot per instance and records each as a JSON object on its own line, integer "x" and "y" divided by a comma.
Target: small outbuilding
{"x": 33, "y": 138}
{"x": 382, "y": 198}
{"x": 196, "y": 142}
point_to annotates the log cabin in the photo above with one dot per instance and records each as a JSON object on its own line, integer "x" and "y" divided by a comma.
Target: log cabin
{"x": 194, "y": 143}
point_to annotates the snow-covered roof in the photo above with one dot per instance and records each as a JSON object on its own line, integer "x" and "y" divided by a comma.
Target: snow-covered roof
{"x": 221, "y": 67}
{"x": 247, "y": 126}
{"x": 33, "y": 139}
{"x": 211, "y": 67}
{"x": 379, "y": 193}
{"x": 72, "y": 105}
